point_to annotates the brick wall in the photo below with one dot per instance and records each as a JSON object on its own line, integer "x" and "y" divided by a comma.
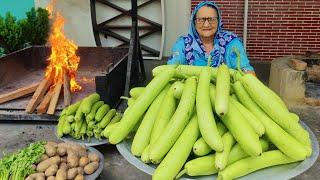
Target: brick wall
{"x": 275, "y": 27}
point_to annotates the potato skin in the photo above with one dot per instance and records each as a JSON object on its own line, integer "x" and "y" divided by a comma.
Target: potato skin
{"x": 79, "y": 177}
{"x": 61, "y": 174}
{"x": 64, "y": 159}
{"x": 83, "y": 161}
{"x": 50, "y": 150}
{"x": 35, "y": 176}
{"x": 51, "y": 178}
{"x": 51, "y": 170}
{"x": 71, "y": 174}
{"x": 61, "y": 150}
{"x": 52, "y": 143}
{"x": 93, "y": 157}
{"x": 91, "y": 167}
{"x": 44, "y": 157}
{"x": 42, "y": 166}
{"x": 80, "y": 170}
{"x": 73, "y": 160}
{"x": 63, "y": 166}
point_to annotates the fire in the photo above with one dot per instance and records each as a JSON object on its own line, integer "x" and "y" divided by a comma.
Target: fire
{"x": 63, "y": 58}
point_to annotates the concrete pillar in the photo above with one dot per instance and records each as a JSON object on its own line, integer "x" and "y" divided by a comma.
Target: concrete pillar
{"x": 288, "y": 83}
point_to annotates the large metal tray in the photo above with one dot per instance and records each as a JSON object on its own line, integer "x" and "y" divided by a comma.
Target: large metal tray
{"x": 280, "y": 172}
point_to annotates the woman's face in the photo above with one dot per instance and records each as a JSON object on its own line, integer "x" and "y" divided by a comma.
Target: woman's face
{"x": 206, "y": 22}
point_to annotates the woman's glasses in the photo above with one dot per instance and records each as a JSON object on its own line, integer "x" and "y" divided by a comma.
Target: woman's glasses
{"x": 202, "y": 20}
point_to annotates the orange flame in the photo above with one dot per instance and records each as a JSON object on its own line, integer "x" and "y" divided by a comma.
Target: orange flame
{"x": 63, "y": 58}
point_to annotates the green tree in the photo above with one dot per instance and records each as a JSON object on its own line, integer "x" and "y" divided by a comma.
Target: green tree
{"x": 32, "y": 30}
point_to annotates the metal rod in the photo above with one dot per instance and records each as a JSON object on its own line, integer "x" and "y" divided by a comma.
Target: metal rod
{"x": 94, "y": 22}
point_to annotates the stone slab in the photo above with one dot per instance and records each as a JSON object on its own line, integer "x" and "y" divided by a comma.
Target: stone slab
{"x": 288, "y": 83}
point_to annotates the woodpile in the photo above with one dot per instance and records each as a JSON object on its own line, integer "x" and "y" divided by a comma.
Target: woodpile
{"x": 45, "y": 95}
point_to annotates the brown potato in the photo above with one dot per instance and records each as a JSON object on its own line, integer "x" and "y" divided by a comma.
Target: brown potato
{"x": 61, "y": 150}
{"x": 44, "y": 157}
{"x": 93, "y": 157}
{"x": 33, "y": 166}
{"x": 52, "y": 170}
{"x": 52, "y": 143}
{"x": 35, "y": 176}
{"x": 91, "y": 168}
{"x": 64, "y": 159}
{"x": 80, "y": 170}
{"x": 50, "y": 150}
{"x": 51, "y": 178}
{"x": 63, "y": 145}
{"x": 42, "y": 166}
{"x": 83, "y": 161}
{"x": 40, "y": 178}
{"x": 63, "y": 166}
{"x": 73, "y": 160}
{"x": 61, "y": 174}
{"x": 79, "y": 177}
{"x": 71, "y": 174}
{"x": 80, "y": 150}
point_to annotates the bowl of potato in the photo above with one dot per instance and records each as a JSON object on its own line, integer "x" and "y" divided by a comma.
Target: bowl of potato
{"x": 68, "y": 161}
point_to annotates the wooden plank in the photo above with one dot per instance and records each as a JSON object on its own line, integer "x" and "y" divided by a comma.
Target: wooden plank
{"x": 38, "y": 95}
{"x": 42, "y": 108}
{"x": 55, "y": 98}
{"x": 18, "y": 93}
{"x": 66, "y": 90}
{"x": 297, "y": 64}
{"x": 312, "y": 101}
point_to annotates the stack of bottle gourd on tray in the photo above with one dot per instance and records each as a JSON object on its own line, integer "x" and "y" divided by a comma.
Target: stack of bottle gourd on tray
{"x": 89, "y": 117}
{"x": 222, "y": 120}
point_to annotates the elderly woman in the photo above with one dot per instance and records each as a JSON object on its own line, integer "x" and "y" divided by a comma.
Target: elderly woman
{"x": 207, "y": 43}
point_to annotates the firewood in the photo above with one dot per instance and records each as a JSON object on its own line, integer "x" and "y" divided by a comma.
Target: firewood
{"x": 312, "y": 101}
{"x": 42, "y": 108}
{"x": 66, "y": 90}
{"x": 18, "y": 93}
{"x": 55, "y": 98}
{"x": 38, "y": 95}
{"x": 297, "y": 64}
{"x": 313, "y": 73}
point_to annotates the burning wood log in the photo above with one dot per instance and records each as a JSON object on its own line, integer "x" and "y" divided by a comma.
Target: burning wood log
{"x": 42, "y": 108}
{"x": 18, "y": 93}
{"x": 38, "y": 95}
{"x": 55, "y": 98}
{"x": 66, "y": 90}
{"x": 62, "y": 68}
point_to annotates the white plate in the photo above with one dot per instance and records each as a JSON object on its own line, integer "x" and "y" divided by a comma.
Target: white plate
{"x": 280, "y": 172}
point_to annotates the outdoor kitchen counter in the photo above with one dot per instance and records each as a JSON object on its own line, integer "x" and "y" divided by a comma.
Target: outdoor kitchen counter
{"x": 16, "y": 136}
